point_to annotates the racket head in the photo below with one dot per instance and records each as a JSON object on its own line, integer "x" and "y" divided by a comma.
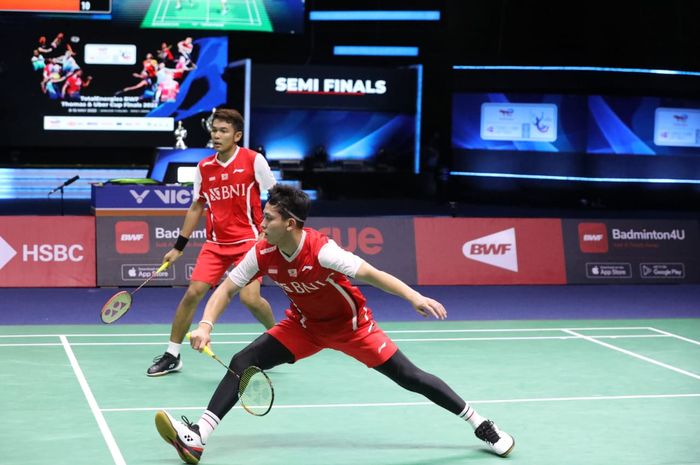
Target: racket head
{"x": 255, "y": 391}
{"x": 116, "y": 307}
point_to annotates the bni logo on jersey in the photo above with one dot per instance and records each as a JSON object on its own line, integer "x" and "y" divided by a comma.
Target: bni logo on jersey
{"x": 131, "y": 237}
{"x": 497, "y": 249}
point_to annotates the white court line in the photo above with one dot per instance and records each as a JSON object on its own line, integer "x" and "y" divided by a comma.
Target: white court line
{"x": 396, "y": 331}
{"x": 165, "y": 10}
{"x": 635, "y": 355}
{"x": 410, "y": 404}
{"x": 448, "y": 339}
{"x": 87, "y": 392}
{"x": 258, "y": 21}
{"x": 250, "y": 13}
{"x": 666, "y": 333}
{"x": 155, "y": 16}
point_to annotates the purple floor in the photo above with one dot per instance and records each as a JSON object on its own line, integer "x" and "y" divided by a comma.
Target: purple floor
{"x": 157, "y": 304}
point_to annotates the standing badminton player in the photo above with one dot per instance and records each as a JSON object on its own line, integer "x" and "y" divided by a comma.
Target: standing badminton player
{"x": 326, "y": 311}
{"x": 228, "y": 183}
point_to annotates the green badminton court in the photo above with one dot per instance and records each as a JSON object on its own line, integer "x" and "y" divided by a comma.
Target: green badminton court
{"x": 622, "y": 392}
{"x": 240, "y": 15}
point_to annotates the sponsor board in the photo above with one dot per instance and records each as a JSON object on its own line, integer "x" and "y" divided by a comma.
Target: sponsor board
{"x": 366, "y": 237}
{"x": 47, "y": 251}
{"x": 130, "y": 248}
{"x": 139, "y": 272}
{"x": 385, "y": 242}
{"x": 660, "y": 251}
{"x": 662, "y": 270}
{"x": 135, "y": 199}
{"x": 609, "y": 270}
{"x": 189, "y": 269}
{"x": 489, "y": 251}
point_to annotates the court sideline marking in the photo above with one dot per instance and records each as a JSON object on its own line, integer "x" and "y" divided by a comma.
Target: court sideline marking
{"x": 445, "y": 339}
{"x": 395, "y": 331}
{"x": 92, "y": 402}
{"x": 633, "y": 354}
{"x": 411, "y": 404}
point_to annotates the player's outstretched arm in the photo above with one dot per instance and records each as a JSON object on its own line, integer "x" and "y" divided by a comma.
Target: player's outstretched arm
{"x": 425, "y": 306}
{"x": 216, "y": 304}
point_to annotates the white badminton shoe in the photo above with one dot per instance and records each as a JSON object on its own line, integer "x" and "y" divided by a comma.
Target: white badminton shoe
{"x": 498, "y": 441}
{"x": 182, "y": 435}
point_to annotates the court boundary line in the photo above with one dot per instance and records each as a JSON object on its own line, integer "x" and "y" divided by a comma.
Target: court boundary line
{"x": 396, "y": 331}
{"x": 635, "y": 355}
{"x": 92, "y": 403}
{"x": 421, "y": 403}
{"x": 450, "y": 339}
{"x": 682, "y": 338}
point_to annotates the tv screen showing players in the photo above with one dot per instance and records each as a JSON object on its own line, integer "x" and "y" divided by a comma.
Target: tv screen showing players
{"x": 80, "y": 84}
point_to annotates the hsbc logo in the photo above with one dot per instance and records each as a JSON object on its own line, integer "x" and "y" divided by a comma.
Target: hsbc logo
{"x": 593, "y": 237}
{"x": 497, "y": 249}
{"x": 7, "y": 253}
{"x": 131, "y": 237}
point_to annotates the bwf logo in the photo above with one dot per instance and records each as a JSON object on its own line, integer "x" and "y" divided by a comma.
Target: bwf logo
{"x": 131, "y": 237}
{"x": 593, "y": 237}
{"x": 497, "y": 249}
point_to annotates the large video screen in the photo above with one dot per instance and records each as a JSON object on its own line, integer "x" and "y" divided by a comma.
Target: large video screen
{"x": 368, "y": 115}
{"x": 279, "y": 16}
{"x": 79, "y": 84}
{"x": 580, "y": 135}
{"x": 643, "y": 126}
{"x": 343, "y": 134}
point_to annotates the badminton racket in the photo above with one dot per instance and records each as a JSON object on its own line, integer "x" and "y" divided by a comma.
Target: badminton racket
{"x": 120, "y": 303}
{"x": 255, "y": 389}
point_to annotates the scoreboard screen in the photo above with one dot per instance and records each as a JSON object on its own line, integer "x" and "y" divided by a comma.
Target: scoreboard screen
{"x": 57, "y": 6}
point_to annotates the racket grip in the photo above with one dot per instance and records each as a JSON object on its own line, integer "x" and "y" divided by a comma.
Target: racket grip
{"x": 206, "y": 350}
{"x": 162, "y": 267}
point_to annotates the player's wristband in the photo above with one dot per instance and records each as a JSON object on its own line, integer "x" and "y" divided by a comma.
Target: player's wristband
{"x": 207, "y": 322}
{"x": 180, "y": 243}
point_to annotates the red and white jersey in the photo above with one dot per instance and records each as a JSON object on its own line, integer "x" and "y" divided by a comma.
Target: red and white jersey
{"x": 231, "y": 191}
{"x": 314, "y": 278}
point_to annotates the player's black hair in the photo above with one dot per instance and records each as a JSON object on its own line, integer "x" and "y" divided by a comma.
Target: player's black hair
{"x": 290, "y": 201}
{"x": 231, "y": 116}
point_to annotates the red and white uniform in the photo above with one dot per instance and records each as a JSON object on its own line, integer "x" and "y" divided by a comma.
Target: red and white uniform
{"x": 231, "y": 192}
{"x": 326, "y": 310}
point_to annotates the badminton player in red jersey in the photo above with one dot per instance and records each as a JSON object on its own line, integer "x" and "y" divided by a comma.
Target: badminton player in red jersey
{"x": 228, "y": 184}
{"x": 326, "y": 311}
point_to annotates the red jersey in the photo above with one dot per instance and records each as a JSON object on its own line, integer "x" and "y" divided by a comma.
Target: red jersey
{"x": 75, "y": 83}
{"x": 314, "y": 279}
{"x": 231, "y": 191}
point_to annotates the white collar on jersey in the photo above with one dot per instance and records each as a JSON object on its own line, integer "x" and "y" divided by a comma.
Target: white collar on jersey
{"x": 296, "y": 252}
{"x": 230, "y": 160}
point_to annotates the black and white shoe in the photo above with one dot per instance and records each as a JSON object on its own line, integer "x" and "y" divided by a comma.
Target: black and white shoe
{"x": 182, "y": 435}
{"x": 499, "y": 441}
{"x": 164, "y": 364}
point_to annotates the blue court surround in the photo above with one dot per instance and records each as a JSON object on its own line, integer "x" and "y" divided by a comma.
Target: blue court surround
{"x": 157, "y": 304}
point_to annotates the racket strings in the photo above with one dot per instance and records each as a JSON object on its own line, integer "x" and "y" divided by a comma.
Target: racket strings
{"x": 255, "y": 391}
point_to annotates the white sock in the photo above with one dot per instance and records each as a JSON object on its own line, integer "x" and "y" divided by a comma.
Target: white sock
{"x": 470, "y": 415}
{"x": 207, "y": 424}
{"x": 174, "y": 348}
